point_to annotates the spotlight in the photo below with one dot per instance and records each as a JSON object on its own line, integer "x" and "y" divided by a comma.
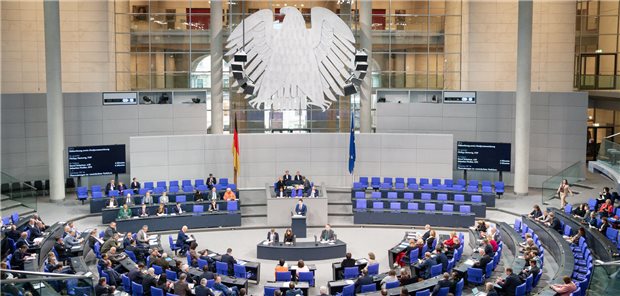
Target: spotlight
{"x": 241, "y": 56}
{"x": 236, "y": 66}
{"x": 361, "y": 56}
{"x": 361, "y": 66}
{"x": 238, "y": 75}
{"x": 349, "y": 89}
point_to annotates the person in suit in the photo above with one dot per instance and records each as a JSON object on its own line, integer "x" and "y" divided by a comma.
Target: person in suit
{"x": 427, "y": 232}
{"x": 365, "y": 279}
{"x": 71, "y": 240}
{"x": 144, "y": 212}
{"x": 110, "y": 231}
{"x": 488, "y": 248}
{"x": 178, "y": 209}
{"x": 19, "y": 257}
{"x": 289, "y": 237}
{"x": 306, "y": 184}
{"x": 149, "y": 280}
{"x": 293, "y": 291}
{"x": 441, "y": 258}
{"x": 286, "y": 178}
{"x": 298, "y": 179}
{"x": 483, "y": 262}
{"x": 564, "y": 289}
{"x": 226, "y": 291}
{"x": 273, "y": 236}
{"x": 198, "y": 196}
{"x": 554, "y": 223}
{"x": 13, "y": 233}
{"x": 147, "y": 199}
{"x": 202, "y": 290}
{"x": 490, "y": 289}
{"x": 135, "y": 186}
{"x": 109, "y": 244}
{"x": 161, "y": 210}
{"x": 313, "y": 192}
{"x": 207, "y": 274}
{"x": 124, "y": 212}
{"x": 279, "y": 186}
{"x": 110, "y": 186}
{"x": 300, "y": 208}
{"x": 509, "y": 284}
{"x": 328, "y": 234}
{"x": 121, "y": 187}
{"x": 163, "y": 199}
{"x": 424, "y": 268}
{"x": 211, "y": 181}
{"x": 142, "y": 236}
{"x": 531, "y": 269}
{"x": 112, "y": 202}
{"x": 128, "y": 199}
{"x": 35, "y": 231}
{"x": 213, "y": 196}
{"x": 137, "y": 275}
{"x": 183, "y": 240}
{"x": 445, "y": 282}
{"x": 181, "y": 287}
{"x": 23, "y": 240}
{"x": 430, "y": 241}
{"x": 348, "y": 261}
{"x": 61, "y": 250}
{"x": 230, "y": 260}
{"x": 604, "y": 226}
{"x": 103, "y": 289}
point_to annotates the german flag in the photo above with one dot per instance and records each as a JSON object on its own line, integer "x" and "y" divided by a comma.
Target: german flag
{"x": 235, "y": 150}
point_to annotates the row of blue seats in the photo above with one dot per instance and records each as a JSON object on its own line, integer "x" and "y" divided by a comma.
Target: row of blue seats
{"x": 477, "y": 275}
{"x": 424, "y": 196}
{"x": 96, "y": 192}
{"x": 376, "y": 183}
{"x": 10, "y": 219}
{"x": 611, "y": 233}
{"x": 592, "y": 204}
{"x": 362, "y": 205}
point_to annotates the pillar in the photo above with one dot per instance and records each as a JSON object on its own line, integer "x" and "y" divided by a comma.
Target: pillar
{"x": 524, "y": 98}
{"x": 366, "y": 43}
{"x": 217, "y": 84}
{"x": 55, "y": 128}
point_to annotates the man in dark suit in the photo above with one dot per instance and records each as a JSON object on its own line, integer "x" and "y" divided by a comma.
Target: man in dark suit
{"x": 279, "y": 186}
{"x": 348, "y": 261}
{"x": 230, "y": 260}
{"x": 327, "y": 234}
{"x": 183, "y": 240}
{"x": 181, "y": 287}
{"x": 211, "y": 181}
{"x": 365, "y": 279}
{"x": 293, "y": 291}
{"x": 508, "y": 285}
{"x": 206, "y": 274}
{"x": 300, "y": 208}
{"x": 137, "y": 275}
{"x": 60, "y": 249}
{"x": 424, "y": 268}
{"x": 213, "y": 195}
{"x": 19, "y": 257}
{"x": 149, "y": 281}
{"x": 287, "y": 179}
{"x": 445, "y": 282}
{"x": 531, "y": 269}
{"x": 442, "y": 259}
{"x": 135, "y": 185}
{"x": 273, "y": 236}
{"x": 483, "y": 262}
{"x": 110, "y": 231}
{"x": 35, "y": 231}
{"x": 427, "y": 232}
{"x": 226, "y": 291}
{"x": 202, "y": 290}
{"x": 23, "y": 240}
{"x": 110, "y": 186}
{"x": 298, "y": 179}
{"x": 121, "y": 187}
{"x": 555, "y": 223}
{"x": 103, "y": 289}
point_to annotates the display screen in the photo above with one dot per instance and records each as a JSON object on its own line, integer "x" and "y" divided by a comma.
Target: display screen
{"x": 480, "y": 156}
{"x": 97, "y": 160}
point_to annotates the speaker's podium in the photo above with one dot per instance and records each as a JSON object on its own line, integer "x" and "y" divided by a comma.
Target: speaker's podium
{"x": 298, "y": 225}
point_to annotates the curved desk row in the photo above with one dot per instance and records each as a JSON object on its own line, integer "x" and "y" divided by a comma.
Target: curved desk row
{"x": 110, "y": 214}
{"x": 478, "y": 208}
{"x": 602, "y": 247}
{"x": 251, "y": 267}
{"x": 487, "y": 198}
{"x": 175, "y": 222}
{"x": 412, "y": 217}
{"x": 98, "y": 204}
{"x": 555, "y": 245}
{"x": 511, "y": 240}
{"x": 301, "y": 250}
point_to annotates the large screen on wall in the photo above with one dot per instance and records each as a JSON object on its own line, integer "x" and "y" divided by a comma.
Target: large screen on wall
{"x": 482, "y": 156}
{"x": 96, "y": 160}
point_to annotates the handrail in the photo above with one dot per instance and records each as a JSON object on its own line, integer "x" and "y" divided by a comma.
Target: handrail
{"x": 572, "y": 173}
{"x": 45, "y": 276}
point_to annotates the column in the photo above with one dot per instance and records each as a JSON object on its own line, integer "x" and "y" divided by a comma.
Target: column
{"x": 524, "y": 98}
{"x": 55, "y": 128}
{"x": 366, "y": 43}
{"x": 217, "y": 84}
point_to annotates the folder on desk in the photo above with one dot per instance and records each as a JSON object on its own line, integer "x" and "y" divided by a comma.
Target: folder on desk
{"x": 152, "y": 236}
{"x": 349, "y": 282}
{"x": 241, "y": 262}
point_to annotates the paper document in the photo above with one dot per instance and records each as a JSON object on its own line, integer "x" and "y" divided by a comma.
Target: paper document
{"x": 240, "y": 262}
{"x": 349, "y": 282}
{"x": 153, "y": 236}
{"x": 469, "y": 262}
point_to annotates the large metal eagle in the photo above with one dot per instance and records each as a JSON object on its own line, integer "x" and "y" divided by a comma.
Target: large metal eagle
{"x": 293, "y": 67}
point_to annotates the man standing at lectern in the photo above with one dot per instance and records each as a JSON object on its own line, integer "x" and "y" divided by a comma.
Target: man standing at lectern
{"x": 300, "y": 208}
{"x": 327, "y": 234}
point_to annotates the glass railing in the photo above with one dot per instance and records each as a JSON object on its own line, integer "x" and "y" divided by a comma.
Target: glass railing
{"x": 572, "y": 174}
{"x": 605, "y": 279}
{"x": 19, "y": 191}
{"x": 609, "y": 153}
{"x": 43, "y": 283}
{"x": 598, "y": 81}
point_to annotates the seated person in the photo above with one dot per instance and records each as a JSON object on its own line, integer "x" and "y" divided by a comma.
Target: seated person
{"x": 213, "y": 195}
{"x": 144, "y": 212}
{"x": 197, "y": 196}
{"x": 481, "y": 227}
{"x": 348, "y": 261}
{"x": 580, "y": 211}
{"x": 286, "y": 178}
{"x": 536, "y": 212}
{"x": 591, "y": 219}
{"x": 603, "y": 197}
{"x": 604, "y": 226}
{"x": 306, "y": 184}
{"x": 226, "y": 291}
{"x": 273, "y": 236}
{"x": 103, "y": 289}
{"x": 178, "y": 209}
{"x": 365, "y": 279}
{"x": 531, "y": 269}
{"x": 161, "y": 210}
{"x": 71, "y": 240}
{"x": 390, "y": 278}
{"x": 508, "y": 285}
{"x": 229, "y": 195}
{"x": 289, "y": 237}
{"x": 444, "y": 282}
{"x": 110, "y": 243}
{"x": 301, "y": 267}
{"x": 565, "y": 289}
{"x": 313, "y": 192}
{"x": 183, "y": 240}
{"x": 124, "y": 212}
{"x": 423, "y": 268}
{"x": 213, "y": 206}
{"x": 282, "y": 193}
{"x": 606, "y": 209}
{"x": 328, "y": 234}
{"x": 575, "y": 238}
{"x": 282, "y": 266}
{"x": 163, "y": 199}
{"x": 405, "y": 277}
{"x": 298, "y": 178}
{"x": 147, "y": 199}
{"x": 485, "y": 259}
{"x": 279, "y": 186}
{"x": 128, "y": 200}
{"x": 546, "y": 217}
{"x": 112, "y": 203}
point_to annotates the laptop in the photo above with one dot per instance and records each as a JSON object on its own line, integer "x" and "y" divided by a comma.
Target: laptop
{"x": 475, "y": 292}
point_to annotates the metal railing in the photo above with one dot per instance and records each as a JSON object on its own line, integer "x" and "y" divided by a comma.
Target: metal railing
{"x": 572, "y": 174}
{"x": 44, "y": 283}
{"x": 19, "y": 191}
{"x": 605, "y": 278}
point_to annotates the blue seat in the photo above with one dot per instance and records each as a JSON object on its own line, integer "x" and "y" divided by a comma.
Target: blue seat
{"x": 459, "y": 287}
{"x": 269, "y": 291}
{"x": 360, "y": 204}
{"x": 369, "y": 288}
{"x": 392, "y": 195}
{"x": 426, "y": 196}
{"x": 459, "y": 198}
{"x": 429, "y": 207}
{"x": 173, "y": 245}
{"x": 222, "y": 268}
{"x": 351, "y": 272}
{"x": 97, "y": 194}
{"x": 198, "y": 208}
{"x": 136, "y": 289}
{"x": 293, "y": 193}
{"x": 465, "y": 209}
{"x": 377, "y": 205}
{"x": 489, "y": 269}
{"x": 423, "y": 181}
{"x": 442, "y": 196}
{"x": 143, "y": 191}
{"x": 373, "y": 269}
{"x": 364, "y": 181}
{"x": 426, "y": 292}
{"x": 436, "y": 182}
{"x": 436, "y": 270}
{"x": 447, "y": 208}
{"x": 408, "y": 195}
{"x": 202, "y": 263}
{"x": 158, "y": 269}
{"x": 426, "y": 186}
{"x": 443, "y": 291}
{"x": 395, "y": 206}
{"x": 448, "y": 182}
{"x": 375, "y": 182}
{"x": 239, "y": 271}
{"x": 158, "y": 190}
{"x": 520, "y": 290}
{"x": 82, "y": 291}
{"x": 156, "y": 291}
{"x": 171, "y": 275}
{"x": 181, "y": 198}
{"x": 131, "y": 255}
{"x": 186, "y": 183}
{"x": 473, "y": 183}
{"x": 188, "y": 188}
{"x": 357, "y": 186}
{"x": 399, "y": 180}
{"x": 476, "y": 198}
{"x": 223, "y": 182}
{"x": 149, "y": 185}
{"x": 173, "y": 189}
{"x": 472, "y": 188}
{"x": 306, "y": 277}
{"x": 487, "y": 189}
{"x": 475, "y": 275}
{"x": 412, "y": 186}
{"x": 567, "y": 230}
{"x": 360, "y": 194}
{"x": 612, "y": 234}
{"x": 95, "y": 188}
{"x": 173, "y": 183}
{"x": 348, "y": 290}
{"x": 388, "y": 180}
{"x": 126, "y": 283}
{"x": 385, "y": 186}
{"x": 499, "y": 187}
{"x": 199, "y": 182}
{"x": 375, "y": 195}
{"x": 6, "y": 220}
{"x": 231, "y": 206}
{"x": 161, "y": 184}
{"x": 451, "y": 263}
{"x": 391, "y": 285}
{"x": 413, "y": 206}
{"x": 529, "y": 284}
{"x": 485, "y": 183}
{"x": 414, "y": 255}
{"x": 283, "y": 276}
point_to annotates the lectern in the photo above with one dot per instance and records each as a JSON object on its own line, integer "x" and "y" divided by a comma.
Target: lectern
{"x": 298, "y": 225}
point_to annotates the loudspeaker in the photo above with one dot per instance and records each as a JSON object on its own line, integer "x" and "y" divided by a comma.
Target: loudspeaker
{"x": 349, "y": 89}
{"x": 238, "y": 75}
{"x": 241, "y": 57}
{"x": 248, "y": 88}
{"x": 236, "y": 66}
{"x": 362, "y": 66}
{"x": 359, "y": 74}
{"x": 361, "y": 56}
{"x": 356, "y": 81}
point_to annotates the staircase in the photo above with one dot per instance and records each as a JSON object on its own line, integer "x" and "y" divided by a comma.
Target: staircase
{"x": 17, "y": 197}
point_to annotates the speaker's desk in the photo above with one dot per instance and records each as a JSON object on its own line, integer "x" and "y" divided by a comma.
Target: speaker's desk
{"x": 305, "y": 250}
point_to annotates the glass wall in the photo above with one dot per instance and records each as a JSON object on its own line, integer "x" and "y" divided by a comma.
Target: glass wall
{"x": 165, "y": 44}
{"x": 597, "y": 45}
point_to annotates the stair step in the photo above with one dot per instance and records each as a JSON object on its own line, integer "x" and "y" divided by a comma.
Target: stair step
{"x": 253, "y": 211}
{"x": 340, "y": 220}
{"x": 8, "y": 204}
{"x": 21, "y": 210}
{"x": 253, "y": 221}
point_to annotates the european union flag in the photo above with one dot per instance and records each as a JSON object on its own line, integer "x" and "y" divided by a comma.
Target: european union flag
{"x": 352, "y": 145}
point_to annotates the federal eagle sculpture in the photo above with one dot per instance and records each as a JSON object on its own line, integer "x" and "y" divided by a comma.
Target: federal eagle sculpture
{"x": 292, "y": 67}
